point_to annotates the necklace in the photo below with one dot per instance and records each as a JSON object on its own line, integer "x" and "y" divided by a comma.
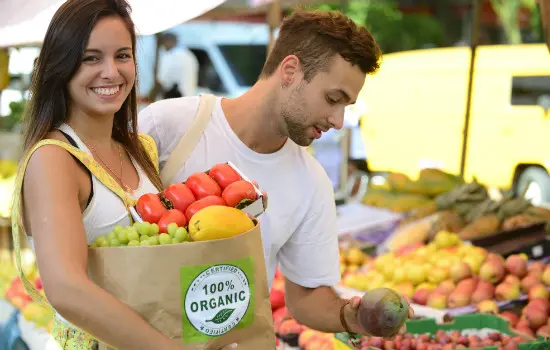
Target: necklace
{"x": 121, "y": 182}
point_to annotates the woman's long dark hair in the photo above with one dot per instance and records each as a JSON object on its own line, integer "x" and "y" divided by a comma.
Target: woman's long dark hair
{"x": 59, "y": 60}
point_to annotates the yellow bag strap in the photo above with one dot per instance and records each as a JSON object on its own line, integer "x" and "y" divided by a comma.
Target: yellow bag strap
{"x": 98, "y": 171}
{"x": 151, "y": 148}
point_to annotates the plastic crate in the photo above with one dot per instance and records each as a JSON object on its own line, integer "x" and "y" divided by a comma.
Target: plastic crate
{"x": 474, "y": 321}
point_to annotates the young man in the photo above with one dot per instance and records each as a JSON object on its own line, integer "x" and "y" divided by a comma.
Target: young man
{"x": 317, "y": 67}
{"x": 178, "y": 69}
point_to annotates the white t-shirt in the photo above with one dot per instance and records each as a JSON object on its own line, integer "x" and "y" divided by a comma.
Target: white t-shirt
{"x": 299, "y": 228}
{"x": 179, "y": 66}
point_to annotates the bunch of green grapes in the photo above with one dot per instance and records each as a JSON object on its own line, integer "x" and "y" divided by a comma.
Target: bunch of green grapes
{"x": 141, "y": 234}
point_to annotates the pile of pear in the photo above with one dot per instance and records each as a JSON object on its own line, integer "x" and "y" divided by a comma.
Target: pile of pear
{"x": 352, "y": 260}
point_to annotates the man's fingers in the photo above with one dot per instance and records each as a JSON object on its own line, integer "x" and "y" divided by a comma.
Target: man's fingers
{"x": 355, "y": 302}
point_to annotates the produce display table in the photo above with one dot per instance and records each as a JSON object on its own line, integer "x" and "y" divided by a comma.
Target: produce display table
{"x": 366, "y": 223}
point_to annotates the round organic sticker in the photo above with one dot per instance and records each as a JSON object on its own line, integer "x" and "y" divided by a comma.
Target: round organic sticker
{"x": 217, "y": 299}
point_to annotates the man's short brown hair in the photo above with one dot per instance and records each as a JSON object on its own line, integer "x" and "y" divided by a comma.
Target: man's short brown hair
{"x": 316, "y": 36}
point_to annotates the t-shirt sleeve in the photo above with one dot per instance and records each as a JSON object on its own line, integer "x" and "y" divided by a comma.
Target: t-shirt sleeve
{"x": 166, "y": 121}
{"x": 310, "y": 257}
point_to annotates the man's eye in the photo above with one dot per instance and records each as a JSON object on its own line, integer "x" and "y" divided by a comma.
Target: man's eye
{"x": 331, "y": 101}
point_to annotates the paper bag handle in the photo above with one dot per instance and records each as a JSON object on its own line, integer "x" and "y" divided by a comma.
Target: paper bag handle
{"x": 189, "y": 140}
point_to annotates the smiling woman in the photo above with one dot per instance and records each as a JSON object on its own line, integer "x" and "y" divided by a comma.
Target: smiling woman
{"x": 84, "y": 165}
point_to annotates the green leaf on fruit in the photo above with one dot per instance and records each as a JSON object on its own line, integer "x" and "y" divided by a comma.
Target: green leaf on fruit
{"x": 244, "y": 203}
{"x": 222, "y": 316}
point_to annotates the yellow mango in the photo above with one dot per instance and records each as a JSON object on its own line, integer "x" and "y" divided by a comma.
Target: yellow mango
{"x": 217, "y": 222}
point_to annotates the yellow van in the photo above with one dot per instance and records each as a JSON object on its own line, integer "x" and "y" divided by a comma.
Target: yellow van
{"x": 415, "y": 112}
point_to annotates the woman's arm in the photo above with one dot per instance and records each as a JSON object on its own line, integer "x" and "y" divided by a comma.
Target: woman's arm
{"x": 53, "y": 216}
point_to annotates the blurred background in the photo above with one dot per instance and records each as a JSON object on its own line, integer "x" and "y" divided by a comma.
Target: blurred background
{"x": 447, "y": 143}
{"x": 464, "y": 85}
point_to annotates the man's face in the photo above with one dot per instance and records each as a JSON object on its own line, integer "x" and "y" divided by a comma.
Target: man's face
{"x": 168, "y": 43}
{"x": 309, "y": 109}
{"x": 545, "y": 13}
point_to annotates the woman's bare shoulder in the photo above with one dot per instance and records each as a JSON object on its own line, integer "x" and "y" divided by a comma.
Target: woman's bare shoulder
{"x": 57, "y": 135}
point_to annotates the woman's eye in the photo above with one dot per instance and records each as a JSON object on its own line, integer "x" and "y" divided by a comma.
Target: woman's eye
{"x": 90, "y": 58}
{"x": 125, "y": 56}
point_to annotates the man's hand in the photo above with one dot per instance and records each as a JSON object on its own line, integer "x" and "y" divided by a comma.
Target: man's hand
{"x": 351, "y": 315}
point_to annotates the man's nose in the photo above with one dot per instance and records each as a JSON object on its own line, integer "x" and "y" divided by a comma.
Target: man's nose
{"x": 337, "y": 119}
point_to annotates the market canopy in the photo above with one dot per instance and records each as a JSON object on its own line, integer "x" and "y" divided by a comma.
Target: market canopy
{"x": 26, "y": 22}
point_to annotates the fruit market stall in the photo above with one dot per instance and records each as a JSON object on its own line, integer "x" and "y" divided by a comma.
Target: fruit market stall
{"x": 501, "y": 222}
{"x": 22, "y": 319}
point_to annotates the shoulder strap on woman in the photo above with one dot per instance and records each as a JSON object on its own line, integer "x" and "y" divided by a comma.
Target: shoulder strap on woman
{"x": 17, "y": 223}
{"x": 151, "y": 148}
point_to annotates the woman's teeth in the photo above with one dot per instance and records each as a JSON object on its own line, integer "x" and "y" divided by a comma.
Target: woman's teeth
{"x": 106, "y": 91}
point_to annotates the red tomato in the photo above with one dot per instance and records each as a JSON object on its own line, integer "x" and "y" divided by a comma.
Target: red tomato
{"x": 203, "y": 203}
{"x": 150, "y": 208}
{"x": 238, "y": 191}
{"x": 180, "y": 195}
{"x": 172, "y": 215}
{"x": 203, "y": 185}
{"x": 224, "y": 175}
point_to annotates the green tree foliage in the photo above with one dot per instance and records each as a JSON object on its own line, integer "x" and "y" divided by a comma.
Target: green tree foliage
{"x": 394, "y": 30}
{"x": 508, "y": 12}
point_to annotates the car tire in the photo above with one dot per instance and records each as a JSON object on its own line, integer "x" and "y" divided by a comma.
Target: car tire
{"x": 537, "y": 182}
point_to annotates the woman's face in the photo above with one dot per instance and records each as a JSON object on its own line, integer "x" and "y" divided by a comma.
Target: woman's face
{"x": 107, "y": 73}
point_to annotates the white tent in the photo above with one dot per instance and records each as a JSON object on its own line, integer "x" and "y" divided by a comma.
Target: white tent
{"x": 26, "y": 22}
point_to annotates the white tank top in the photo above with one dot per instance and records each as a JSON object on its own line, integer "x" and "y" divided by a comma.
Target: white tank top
{"x": 105, "y": 209}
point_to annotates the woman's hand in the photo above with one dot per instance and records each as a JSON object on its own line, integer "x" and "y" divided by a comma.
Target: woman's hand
{"x": 264, "y": 194}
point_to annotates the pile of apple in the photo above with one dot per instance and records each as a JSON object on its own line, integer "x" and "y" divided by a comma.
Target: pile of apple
{"x": 295, "y": 334}
{"x": 277, "y": 293}
{"x": 499, "y": 279}
{"x": 533, "y": 320}
{"x": 288, "y": 329}
{"x": 32, "y": 311}
{"x": 13, "y": 290}
{"x": 8, "y": 271}
{"x": 221, "y": 185}
{"x": 448, "y": 273}
{"x": 442, "y": 340}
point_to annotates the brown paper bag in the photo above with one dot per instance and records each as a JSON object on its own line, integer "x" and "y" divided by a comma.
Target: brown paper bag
{"x": 204, "y": 295}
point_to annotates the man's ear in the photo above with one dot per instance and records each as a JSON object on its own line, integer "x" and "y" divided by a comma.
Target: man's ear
{"x": 290, "y": 70}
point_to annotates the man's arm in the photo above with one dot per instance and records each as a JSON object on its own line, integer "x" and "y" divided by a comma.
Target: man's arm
{"x": 309, "y": 260}
{"x": 319, "y": 308}
{"x": 304, "y": 305}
